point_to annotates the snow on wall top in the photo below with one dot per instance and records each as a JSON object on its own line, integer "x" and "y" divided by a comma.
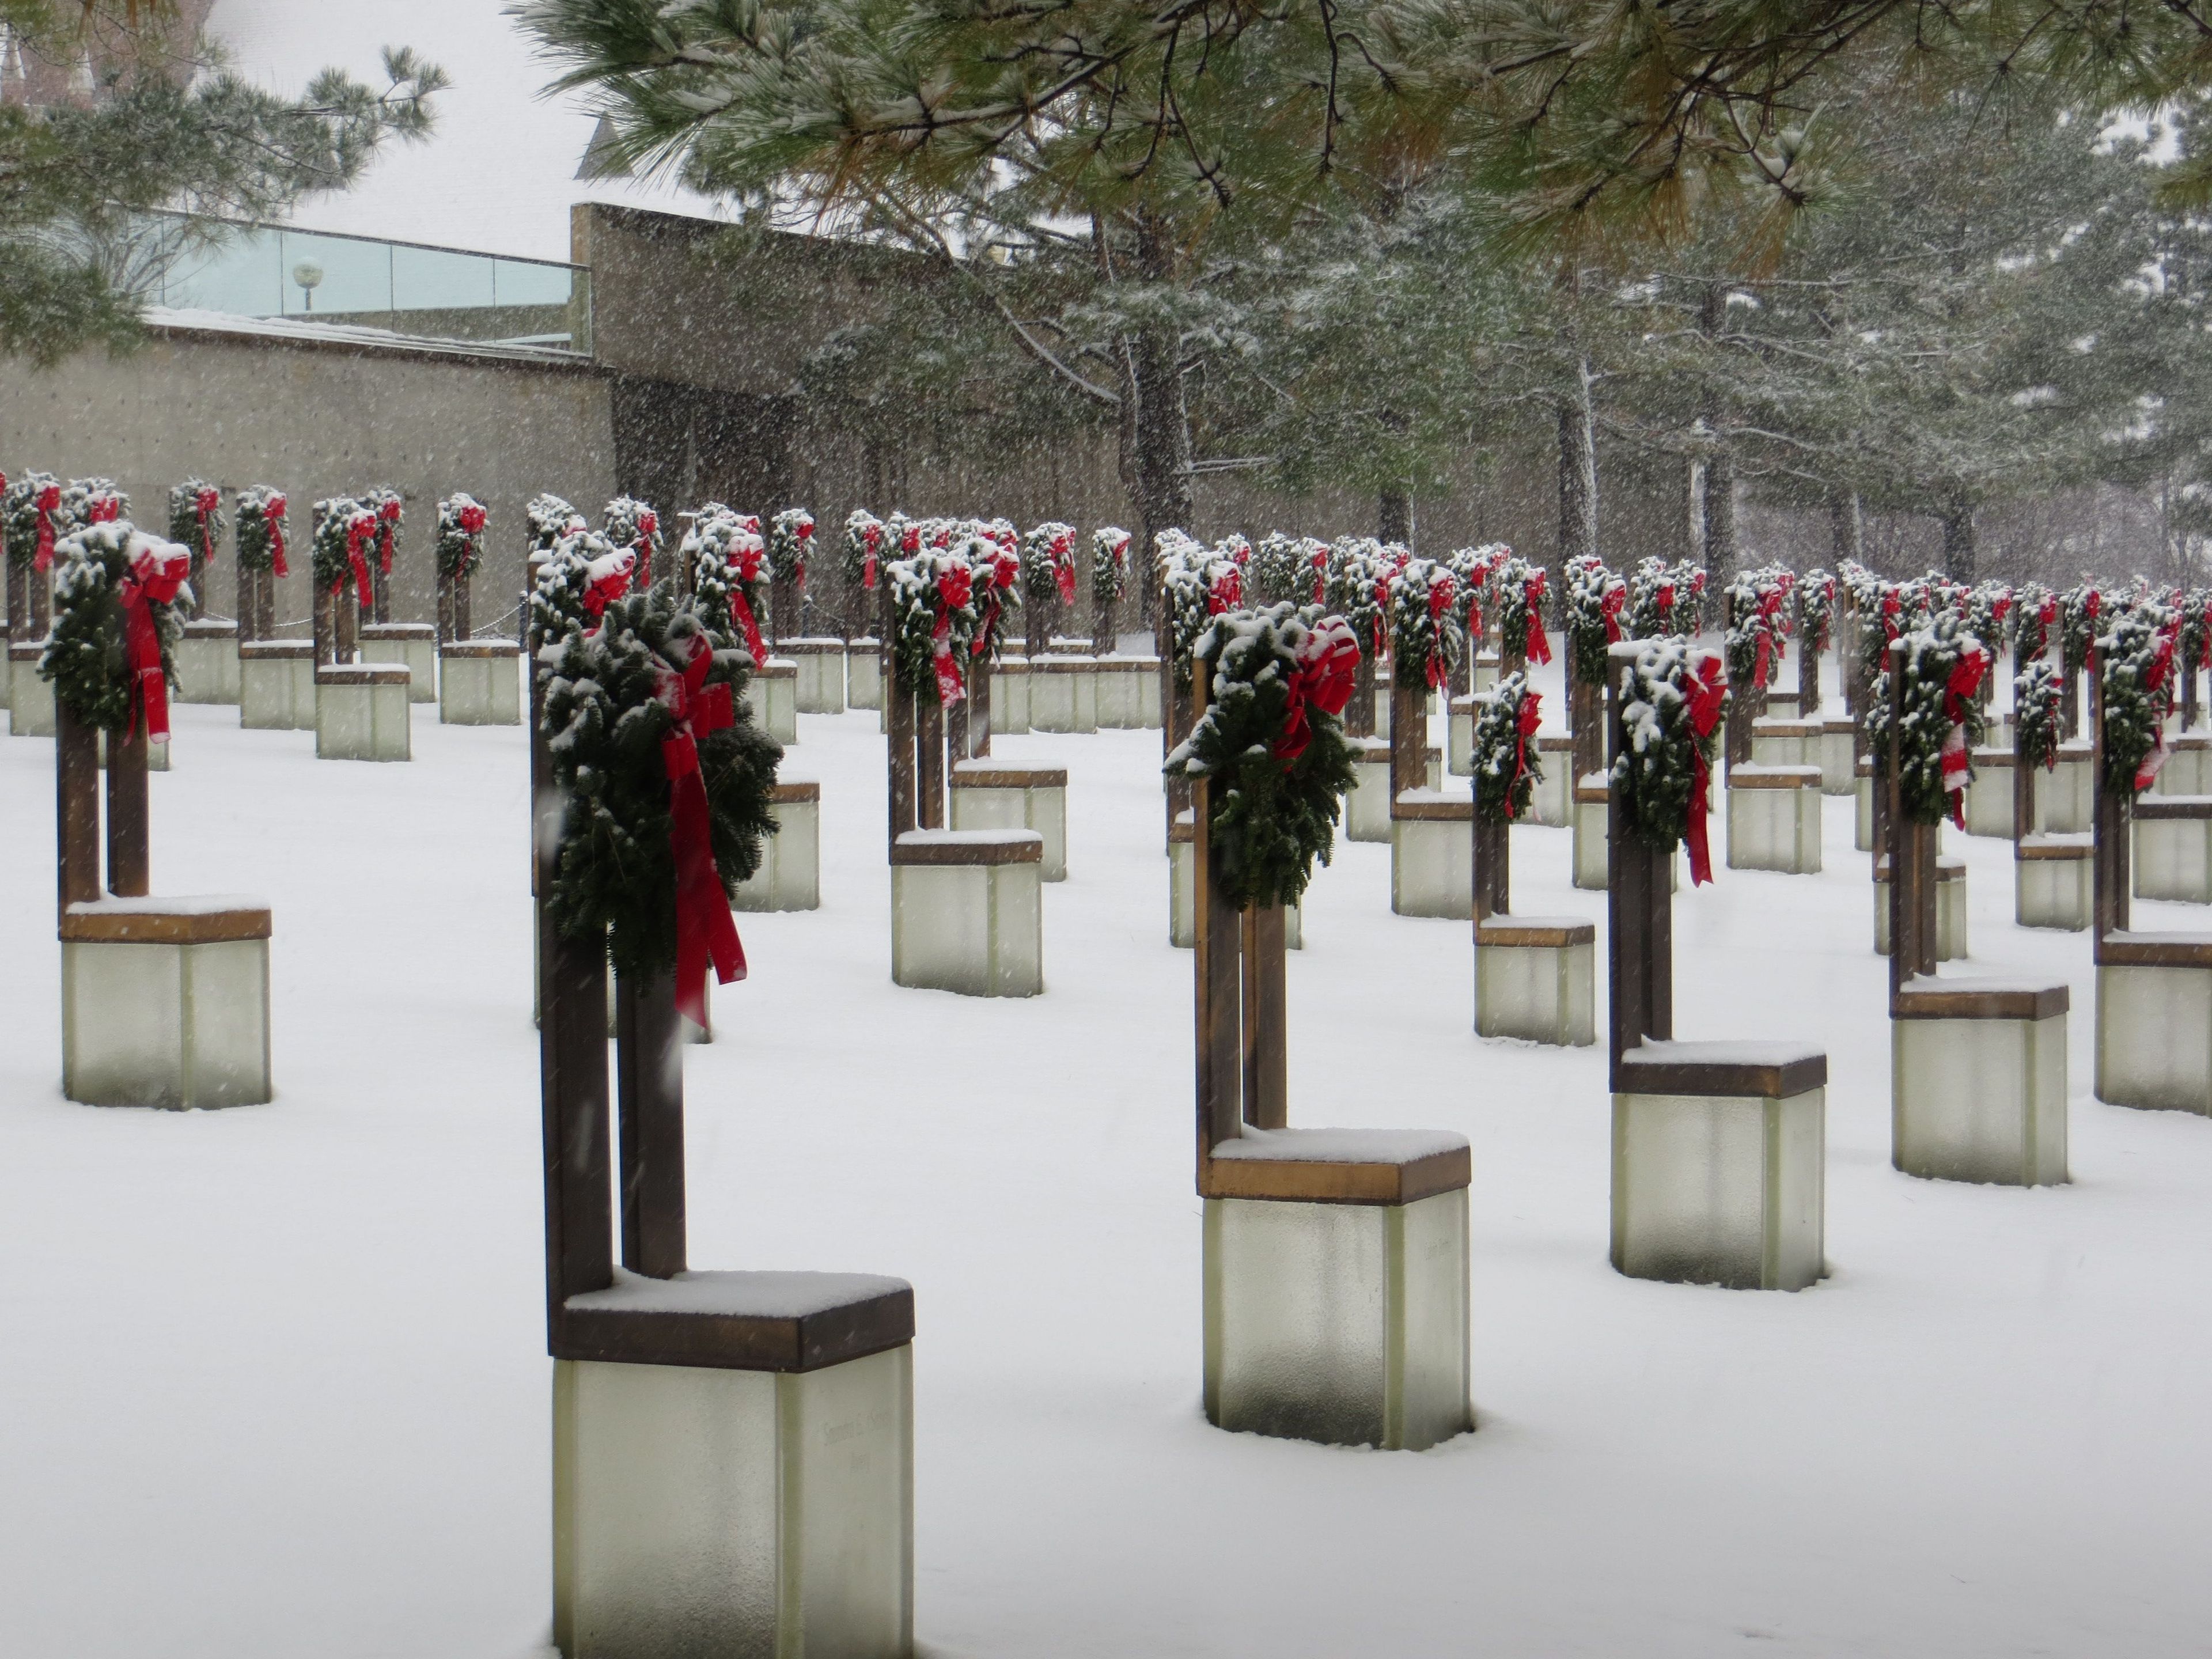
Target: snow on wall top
{"x": 497, "y": 174}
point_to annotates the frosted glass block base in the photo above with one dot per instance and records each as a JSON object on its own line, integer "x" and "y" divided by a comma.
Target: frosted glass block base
{"x": 2064, "y": 793}
{"x": 413, "y": 646}
{"x": 1775, "y": 828}
{"x": 1777, "y": 741}
{"x": 1863, "y": 814}
{"x": 1120, "y": 694}
{"x": 705, "y": 1511}
{"x": 1537, "y": 993}
{"x": 1062, "y": 698}
{"x": 1010, "y": 696}
{"x": 1552, "y": 802}
{"x": 2051, "y": 892}
{"x": 1432, "y": 867}
{"x": 864, "y": 678}
{"x": 1990, "y": 801}
{"x": 207, "y": 663}
{"x": 2174, "y": 860}
{"x": 30, "y": 699}
{"x": 1182, "y": 920}
{"x": 2154, "y": 1037}
{"x": 1367, "y": 802}
{"x": 790, "y": 873}
{"x": 773, "y": 695}
{"x": 1148, "y": 694}
{"x": 366, "y": 722}
{"x": 1980, "y": 1100}
{"x": 173, "y": 1025}
{"x": 820, "y": 686}
{"x": 1043, "y": 808}
{"x": 1950, "y": 916}
{"x": 277, "y": 691}
{"x": 480, "y": 686}
{"x": 1458, "y": 739}
{"x": 1720, "y": 1189}
{"x": 976, "y": 929}
{"x": 1591, "y": 870}
{"x": 1838, "y": 762}
{"x": 1343, "y": 1323}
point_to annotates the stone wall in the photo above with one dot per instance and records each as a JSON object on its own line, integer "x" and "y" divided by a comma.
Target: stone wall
{"x": 316, "y": 418}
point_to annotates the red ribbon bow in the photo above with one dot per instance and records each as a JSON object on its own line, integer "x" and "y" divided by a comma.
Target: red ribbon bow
{"x": 1524, "y": 727}
{"x": 955, "y": 588}
{"x": 387, "y": 530}
{"x": 1609, "y": 607}
{"x": 1320, "y": 572}
{"x": 1063, "y": 569}
{"x": 1442, "y": 592}
{"x": 204, "y": 503}
{"x": 154, "y": 579}
{"x": 1539, "y": 648}
{"x": 50, "y": 498}
{"x": 607, "y": 579}
{"x": 471, "y": 520}
{"x": 1323, "y": 679}
{"x": 705, "y": 931}
{"x": 872, "y": 540}
{"x": 2161, "y": 687}
{"x": 1957, "y": 766}
{"x": 272, "y": 515}
{"x": 359, "y": 529}
{"x": 1225, "y": 592}
{"x": 1707, "y": 690}
{"x": 744, "y": 563}
{"x": 105, "y": 509}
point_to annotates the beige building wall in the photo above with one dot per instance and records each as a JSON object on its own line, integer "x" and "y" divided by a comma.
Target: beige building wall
{"x": 317, "y": 418}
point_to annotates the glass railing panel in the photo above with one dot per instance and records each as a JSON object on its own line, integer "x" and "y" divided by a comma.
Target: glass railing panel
{"x": 334, "y": 274}
{"x": 442, "y": 279}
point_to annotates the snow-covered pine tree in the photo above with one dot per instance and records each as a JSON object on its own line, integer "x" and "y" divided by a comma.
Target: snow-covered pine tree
{"x": 96, "y": 657}
{"x": 1503, "y": 755}
{"x": 607, "y": 709}
{"x": 1273, "y": 745}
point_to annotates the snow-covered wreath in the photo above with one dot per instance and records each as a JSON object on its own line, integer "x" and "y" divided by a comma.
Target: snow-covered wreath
{"x": 345, "y": 534}
{"x": 2135, "y": 694}
{"x": 460, "y": 551}
{"x": 866, "y": 547}
{"x": 582, "y": 576}
{"x": 1671, "y": 710}
{"x": 728, "y": 563}
{"x": 626, "y": 521}
{"x": 1939, "y": 715}
{"x": 2037, "y": 700}
{"x": 1272, "y": 745}
{"x": 261, "y": 513}
{"x": 32, "y": 506}
{"x": 1047, "y": 563}
{"x": 1110, "y": 566}
{"x": 197, "y": 519}
{"x": 119, "y": 603}
{"x": 1503, "y": 754}
{"x": 1425, "y": 638}
{"x": 790, "y": 539}
{"x": 936, "y": 617}
{"x": 1520, "y": 592}
{"x": 390, "y": 510}
{"x": 666, "y": 782}
{"x": 1595, "y": 600}
{"x": 549, "y": 519}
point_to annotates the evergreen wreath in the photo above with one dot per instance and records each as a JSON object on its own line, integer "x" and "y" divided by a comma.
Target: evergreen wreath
{"x": 1816, "y": 610}
{"x": 459, "y": 552}
{"x": 94, "y": 501}
{"x": 728, "y": 561}
{"x": 1475, "y": 569}
{"x": 1110, "y": 566}
{"x": 1186, "y": 598}
{"x": 261, "y": 513}
{"x": 1273, "y": 744}
{"x": 1506, "y": 762}
{"x": 1940, "y": 715}
{"x": 549, "y": 519}
{"x": 1657, "y": 773}
{"x": 867, "y": 545}
{"x": 2196, "y": 629}
{"x": 1987, "y": 608}
{"x": 1595, "y": 600}
{"x": 2035, "y": 614}
{"x": 1426, "y": 643}
{"x": 344, "y": 529}
{"x": 32, "y": 503}
{"x": 935, "y": 615}
{"x": 87, "y": 657}
{"x": 197, "y": 520}
{"x": 2081, "y": 609}
{"x": 2037, "y": 700}
{"x": 790, "y": 538}
{"x": 390, "y": 509}
{"x": 1358, "y": 590}
{"x": 1757, "y": 611}
{"x": 1280, "y": 572}
{"x": 1521, "y": 594}
{"x": 996, "y": 575}
{"x": 604, "y": 717}
{"x": 2135, "y": 694}
{"x": 578, "y": 579}
{"x": 1047, "y": 563}
{"x": 626, "y": 521}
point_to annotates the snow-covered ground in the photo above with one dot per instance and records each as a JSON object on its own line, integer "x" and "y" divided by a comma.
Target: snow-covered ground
{"x": 274, "y": 1380}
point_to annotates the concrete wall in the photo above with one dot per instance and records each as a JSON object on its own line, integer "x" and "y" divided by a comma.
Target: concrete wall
{"x": 317, "y": 419}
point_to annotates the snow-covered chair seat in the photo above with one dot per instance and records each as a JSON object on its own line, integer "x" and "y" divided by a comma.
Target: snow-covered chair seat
{"x": 1336, "y": 1285}
{"x": 1980, "y": 1070}
{"x": 1719, "y": 1159}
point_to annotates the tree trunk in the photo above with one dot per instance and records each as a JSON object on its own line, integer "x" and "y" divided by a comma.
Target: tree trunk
{"x": 1846, "y": 530}
{"x": 1720, "y": 521}
{"x": 1960, "y": 543}
{"x": 1578, "y": 479}
{"x": 1394, "y": 517}
{"x": 1156, "y": 435}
